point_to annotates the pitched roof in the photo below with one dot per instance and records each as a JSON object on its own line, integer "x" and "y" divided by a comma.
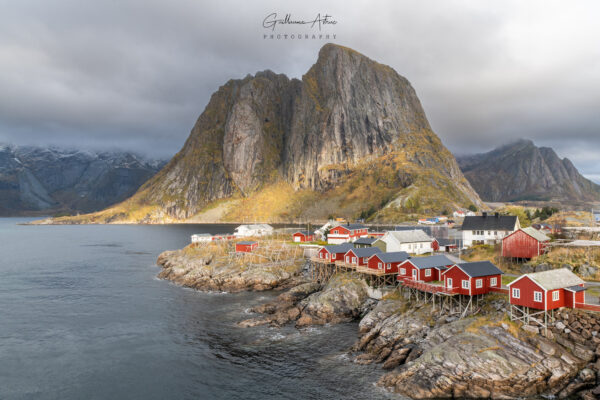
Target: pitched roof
{"x": 488, "y": 222}
{"x": 537, "y": 235}
{"x": 479, "y": 268}
{"x": 553, "y": 279}
{"x": 339, "y": 248}
{"x": 366, "y": 251}
{"x": 412, "y": 236}
{"x": 576, "y": 288}
{"x": 365, "y": 240}
{"x": 306, "y": 233}
{"x": 395, "y": 256}
{"x": 447, "y": 242}
{"x": 431, "y": 262}
{"x": 353, "y": 226}
{"x": 246, "y": 242}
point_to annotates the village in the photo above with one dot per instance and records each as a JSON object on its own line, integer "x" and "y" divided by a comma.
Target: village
{"x": 436, "y": 263}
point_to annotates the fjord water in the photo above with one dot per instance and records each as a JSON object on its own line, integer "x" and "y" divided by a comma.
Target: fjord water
{"x": 82, "y": 316}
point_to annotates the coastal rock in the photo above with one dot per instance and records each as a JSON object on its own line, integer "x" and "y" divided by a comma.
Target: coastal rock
{"x": 205, "y": 271}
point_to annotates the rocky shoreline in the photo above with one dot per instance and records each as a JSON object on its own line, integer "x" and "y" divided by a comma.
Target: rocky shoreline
{"x": 426, "y": 353}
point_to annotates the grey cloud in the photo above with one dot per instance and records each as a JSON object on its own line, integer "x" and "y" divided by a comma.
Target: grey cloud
{"x": 136, "y": 74}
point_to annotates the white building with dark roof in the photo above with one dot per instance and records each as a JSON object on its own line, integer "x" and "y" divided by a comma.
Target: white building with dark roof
{"x": 488, "y": 228}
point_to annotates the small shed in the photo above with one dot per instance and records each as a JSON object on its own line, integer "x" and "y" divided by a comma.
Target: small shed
{"x": 445, "y": 245}
{"x": 472, "y": 278}
{"x": 424, "y": 269}
{"x": 525, "y": 243}
{"x": 364, "y": 242}
{"x": 360, "y": 256}
{"x": 547, "y": 290}
{"x": 245, "y": 246}
{"x": 303, "y": 236}
{"x": 388, "y": 262}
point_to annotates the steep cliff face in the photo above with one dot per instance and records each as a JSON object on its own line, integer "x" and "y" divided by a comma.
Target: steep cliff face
{"x": 348, "y": 123}
{"x": 522, "y": 171}
{"x": 35, "y": 180}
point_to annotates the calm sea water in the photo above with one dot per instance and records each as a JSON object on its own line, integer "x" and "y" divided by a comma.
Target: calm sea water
{"x": 82, "y": 316}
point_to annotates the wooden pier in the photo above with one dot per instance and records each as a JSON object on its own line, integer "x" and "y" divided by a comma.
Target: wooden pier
{"x": 321, "y": 270}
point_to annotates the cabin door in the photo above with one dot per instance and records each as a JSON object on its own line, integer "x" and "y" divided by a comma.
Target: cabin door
{"x": 414, "y": 274}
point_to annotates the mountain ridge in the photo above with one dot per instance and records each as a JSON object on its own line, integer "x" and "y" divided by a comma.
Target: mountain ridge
{"x": 522, "y": 171}
{"x": 349, "y": 123}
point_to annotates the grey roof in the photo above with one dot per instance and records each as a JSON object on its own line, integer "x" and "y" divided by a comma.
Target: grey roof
{"x": 354, "y": 226}
{"x": 366, "y": 251}
{"x": 553, "y": 279}
{"x": 537, "y": 235}
{"x": 394, "y": 256}
{"x": 446, "y": 242}
{"x": 246, "y": 242}
{"x": 365, "y": 240}
{"x": 412, "y": 236}
{"x": 490, "y": 223}
{"x": 576, "y": 288}
{"x": 431, "y": 262}
{"x": 339, "y": 248}
{"x": 479, "y": 268}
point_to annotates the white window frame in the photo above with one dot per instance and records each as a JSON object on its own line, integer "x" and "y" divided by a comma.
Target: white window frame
{"x": 478, "y": 283}
{"x": 353, "y": 260}
{"x": 402, "y": 271}
{"x": 537, "y": 297}
{"x": 379, "y": 265}
{"x": 516, "y": 293}
{"x": 415, "y": 275}
{"x": 449, "y": 283}
{"x": 389, "y": 266}
{"x": 466, "y": 284}
{"x": 428, "y": 272}
{"x": 347, "y": 259}
{"x": 556, "y": 295}
{"x": 493, "y": 281}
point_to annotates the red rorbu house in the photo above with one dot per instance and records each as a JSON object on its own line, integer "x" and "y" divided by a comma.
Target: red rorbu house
{"x": 224, "y": 236}
{"x": 525, "y": 243}
{"x": 424, "y": 269}
{"x": 334, "y": 253}
{"x": 387, "y": 262}
{"x": 547, "y": 290}
{"x": 360, "y": 257}
{"x": 346, "y": 233}
{"x": 303, "y": 236}
{"x": 245, "y": 247}
{"x": 472, "y": 278}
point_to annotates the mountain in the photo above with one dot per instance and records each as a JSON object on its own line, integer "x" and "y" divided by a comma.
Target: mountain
{"x": 522, "y": 171}
{"x": 36, "y": 180}
{"x": 349, "y": 138}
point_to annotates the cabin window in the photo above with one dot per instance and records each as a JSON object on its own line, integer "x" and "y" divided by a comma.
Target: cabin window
{"x": 402, "y": 271}
{"x": 537, "y": 296}
{"x": 354, "y": 260}
{"x": 348, "y": 259}
{"x": 428, "y": 272}
{"x": 379, "y": 265}
{"x": 516, "y": 293}
{"x": 555, "y": 295}
{"x": 449, "y": 282}
{"x": 465, "y": 284}
{"x": 389, "y": 266}
{"x": 493, "y": 281}
{"x": 496, "y": 233}
{"x": 474, "y": 232}
{"x": 478, "y": 283}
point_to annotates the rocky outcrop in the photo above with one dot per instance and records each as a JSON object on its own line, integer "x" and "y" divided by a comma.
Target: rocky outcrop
{"x": 343, "y": 299}
{"x": 522, "y": 171}
{"x": 433, "y": 356}
{"x": 35, "y": 179}
{"x": 206, "y": 271}
{"x": 312, "y": 135}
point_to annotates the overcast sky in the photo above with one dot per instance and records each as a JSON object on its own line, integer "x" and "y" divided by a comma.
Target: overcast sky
{"x": 137, "y": 74}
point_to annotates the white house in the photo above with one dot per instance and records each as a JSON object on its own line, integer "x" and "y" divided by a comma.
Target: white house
{"x": 488, "y": 228}
{"x": 253, "y": 230}
{"x": 413, "y": 241}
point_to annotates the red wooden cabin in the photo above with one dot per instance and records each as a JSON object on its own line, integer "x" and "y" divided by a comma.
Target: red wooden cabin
{"x": 334, "y": 252}
{"x": 388, "y": 262}
{"x": 424, "y": 269}
{"x": 346, "y": 233}
{"x": 472, "y": 278}
{"x": 360, "y": 256}
{"x": 525, "y": 243}
{"x": 245, "y": 247}
{"x": 547, "y": 290}
{"x": 303, "y": 236}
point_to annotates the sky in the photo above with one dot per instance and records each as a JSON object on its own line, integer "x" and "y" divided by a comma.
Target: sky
{"x": 135, "y": 75}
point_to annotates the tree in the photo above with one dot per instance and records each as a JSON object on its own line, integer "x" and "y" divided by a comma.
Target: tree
{"x": 472, "y": 208}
